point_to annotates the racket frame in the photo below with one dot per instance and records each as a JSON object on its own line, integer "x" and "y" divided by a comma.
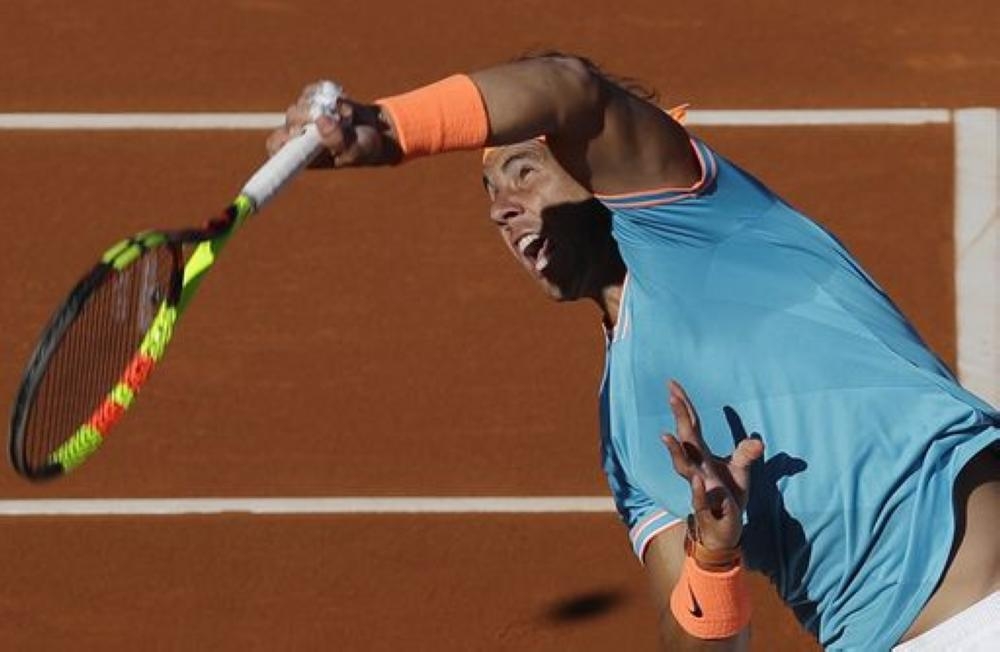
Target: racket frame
{"x": 209, "y": 241}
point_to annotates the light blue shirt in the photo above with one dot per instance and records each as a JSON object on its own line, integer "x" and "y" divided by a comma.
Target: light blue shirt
{"x": 774, "y": 329}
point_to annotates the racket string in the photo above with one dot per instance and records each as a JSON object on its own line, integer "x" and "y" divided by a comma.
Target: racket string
{"x": 92, "y": 355}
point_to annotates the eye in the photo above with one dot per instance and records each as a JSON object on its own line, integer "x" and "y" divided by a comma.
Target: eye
{"x": 491, "y": 191}
{"x": 524, "y": 173}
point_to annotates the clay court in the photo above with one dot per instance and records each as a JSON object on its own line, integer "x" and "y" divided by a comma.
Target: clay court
{"x": 367, "y": 337}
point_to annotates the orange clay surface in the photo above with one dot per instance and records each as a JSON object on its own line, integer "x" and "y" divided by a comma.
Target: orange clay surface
{"x": 367, "y": 336}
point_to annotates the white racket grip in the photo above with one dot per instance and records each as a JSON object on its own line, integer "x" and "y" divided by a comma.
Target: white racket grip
{"x": 280, "y": 168}
{"x": 296, "y": 153}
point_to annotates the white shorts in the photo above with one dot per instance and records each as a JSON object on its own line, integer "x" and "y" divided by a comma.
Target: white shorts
{"x": 977, "y": 629}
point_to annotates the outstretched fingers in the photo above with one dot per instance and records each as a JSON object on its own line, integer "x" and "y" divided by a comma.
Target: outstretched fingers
{"x": 688, "y": 426}
{"x": 747, "y": 452}
{"x": 677, "y": 393}
{"x": 687, "y": 448}
{"x": 683, "y": 464}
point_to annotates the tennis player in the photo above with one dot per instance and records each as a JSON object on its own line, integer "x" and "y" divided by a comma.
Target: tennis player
{"x": 835, "y": 452}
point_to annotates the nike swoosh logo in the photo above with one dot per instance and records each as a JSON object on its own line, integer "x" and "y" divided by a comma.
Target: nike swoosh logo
{"x": 695, "y": 609}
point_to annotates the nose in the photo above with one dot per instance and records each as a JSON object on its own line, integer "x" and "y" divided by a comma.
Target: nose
{"x": 504, "y": 209}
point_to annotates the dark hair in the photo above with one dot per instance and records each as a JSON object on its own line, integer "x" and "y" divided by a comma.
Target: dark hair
{"x": 628, "y": 84}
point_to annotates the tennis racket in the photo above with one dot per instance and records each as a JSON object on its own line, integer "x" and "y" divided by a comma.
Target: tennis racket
{"x": 100, "y": 346}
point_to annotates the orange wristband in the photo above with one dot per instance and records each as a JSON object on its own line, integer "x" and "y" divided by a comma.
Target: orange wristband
{"x": 444, "y": 116}
{"x": 710, "y": 605}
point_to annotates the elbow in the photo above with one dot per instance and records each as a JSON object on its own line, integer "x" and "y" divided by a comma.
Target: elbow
{"x": 581, "y": 88}
{"x": 574, "y": 70}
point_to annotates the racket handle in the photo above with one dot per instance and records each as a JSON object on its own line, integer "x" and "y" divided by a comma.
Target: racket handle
{"x": 294, "y": 154}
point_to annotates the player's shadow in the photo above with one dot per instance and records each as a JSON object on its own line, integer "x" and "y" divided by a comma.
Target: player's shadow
{"x": 584, "y": 606}
{"x": 767, "y": 519}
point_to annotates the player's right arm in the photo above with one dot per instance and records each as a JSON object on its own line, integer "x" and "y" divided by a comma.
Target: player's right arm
{"x": 608, "y": 139}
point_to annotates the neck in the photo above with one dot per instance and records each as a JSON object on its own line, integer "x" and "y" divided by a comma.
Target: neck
{"x": 606, "y": 279}
{"x": 608, "y": 294}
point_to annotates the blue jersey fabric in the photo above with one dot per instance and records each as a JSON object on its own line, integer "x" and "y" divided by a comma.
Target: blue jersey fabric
{"x": 775, "y": 330}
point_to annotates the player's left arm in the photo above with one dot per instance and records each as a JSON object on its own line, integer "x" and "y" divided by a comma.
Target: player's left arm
{"x": 663, "y": 562}
{"x": 702, "y": 564}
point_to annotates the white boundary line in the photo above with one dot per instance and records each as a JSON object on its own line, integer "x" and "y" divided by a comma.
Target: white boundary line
{"x": 139, "y": 121}
{"x": 977, "y": 250}
{"x": 360, "y": 505}
{"x": 187, "y": 121}
{"x": 818, "y": 117}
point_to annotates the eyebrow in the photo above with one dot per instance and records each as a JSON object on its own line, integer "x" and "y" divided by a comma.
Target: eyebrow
{"x": 514, "y": 158}
{"x": 508, "y": 162}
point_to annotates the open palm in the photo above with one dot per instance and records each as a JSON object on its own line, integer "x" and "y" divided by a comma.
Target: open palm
{"x": 719, "y": 485}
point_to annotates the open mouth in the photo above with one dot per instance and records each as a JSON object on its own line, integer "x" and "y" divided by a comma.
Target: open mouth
{"x": 535, "y": 249}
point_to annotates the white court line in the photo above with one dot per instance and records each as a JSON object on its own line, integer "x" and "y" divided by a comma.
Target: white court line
{"x": 699, "y": 117}
{"x": 977, "y": 250}
{"x": 818, "y": 117}
{"x": 359, "y": 505}
{"x": 139, "y": 121}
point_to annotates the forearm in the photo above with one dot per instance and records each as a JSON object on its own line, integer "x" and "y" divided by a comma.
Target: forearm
{"x": 673, "y": 637}
{"x": 664, "y": 561}
{"x": 606, "y": 138}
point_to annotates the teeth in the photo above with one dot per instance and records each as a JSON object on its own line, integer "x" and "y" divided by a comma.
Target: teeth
{"x": 525, "y": 242}
{"x": 542, "y": 262}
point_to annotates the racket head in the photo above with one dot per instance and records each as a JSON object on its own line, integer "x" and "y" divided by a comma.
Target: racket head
{"x": 94, "y": 354}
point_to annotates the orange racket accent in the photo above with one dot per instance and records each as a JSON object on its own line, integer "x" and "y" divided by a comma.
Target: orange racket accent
{"x": 106, "y": 416}
{"x": 138, "y": 371}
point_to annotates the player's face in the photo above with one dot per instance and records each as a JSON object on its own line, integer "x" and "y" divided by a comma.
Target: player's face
{"x": 553, "y": 226}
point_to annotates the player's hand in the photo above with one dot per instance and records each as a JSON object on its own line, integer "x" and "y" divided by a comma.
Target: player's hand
{"x": 355, "y": 134}
{"x": 719, "y": 486}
